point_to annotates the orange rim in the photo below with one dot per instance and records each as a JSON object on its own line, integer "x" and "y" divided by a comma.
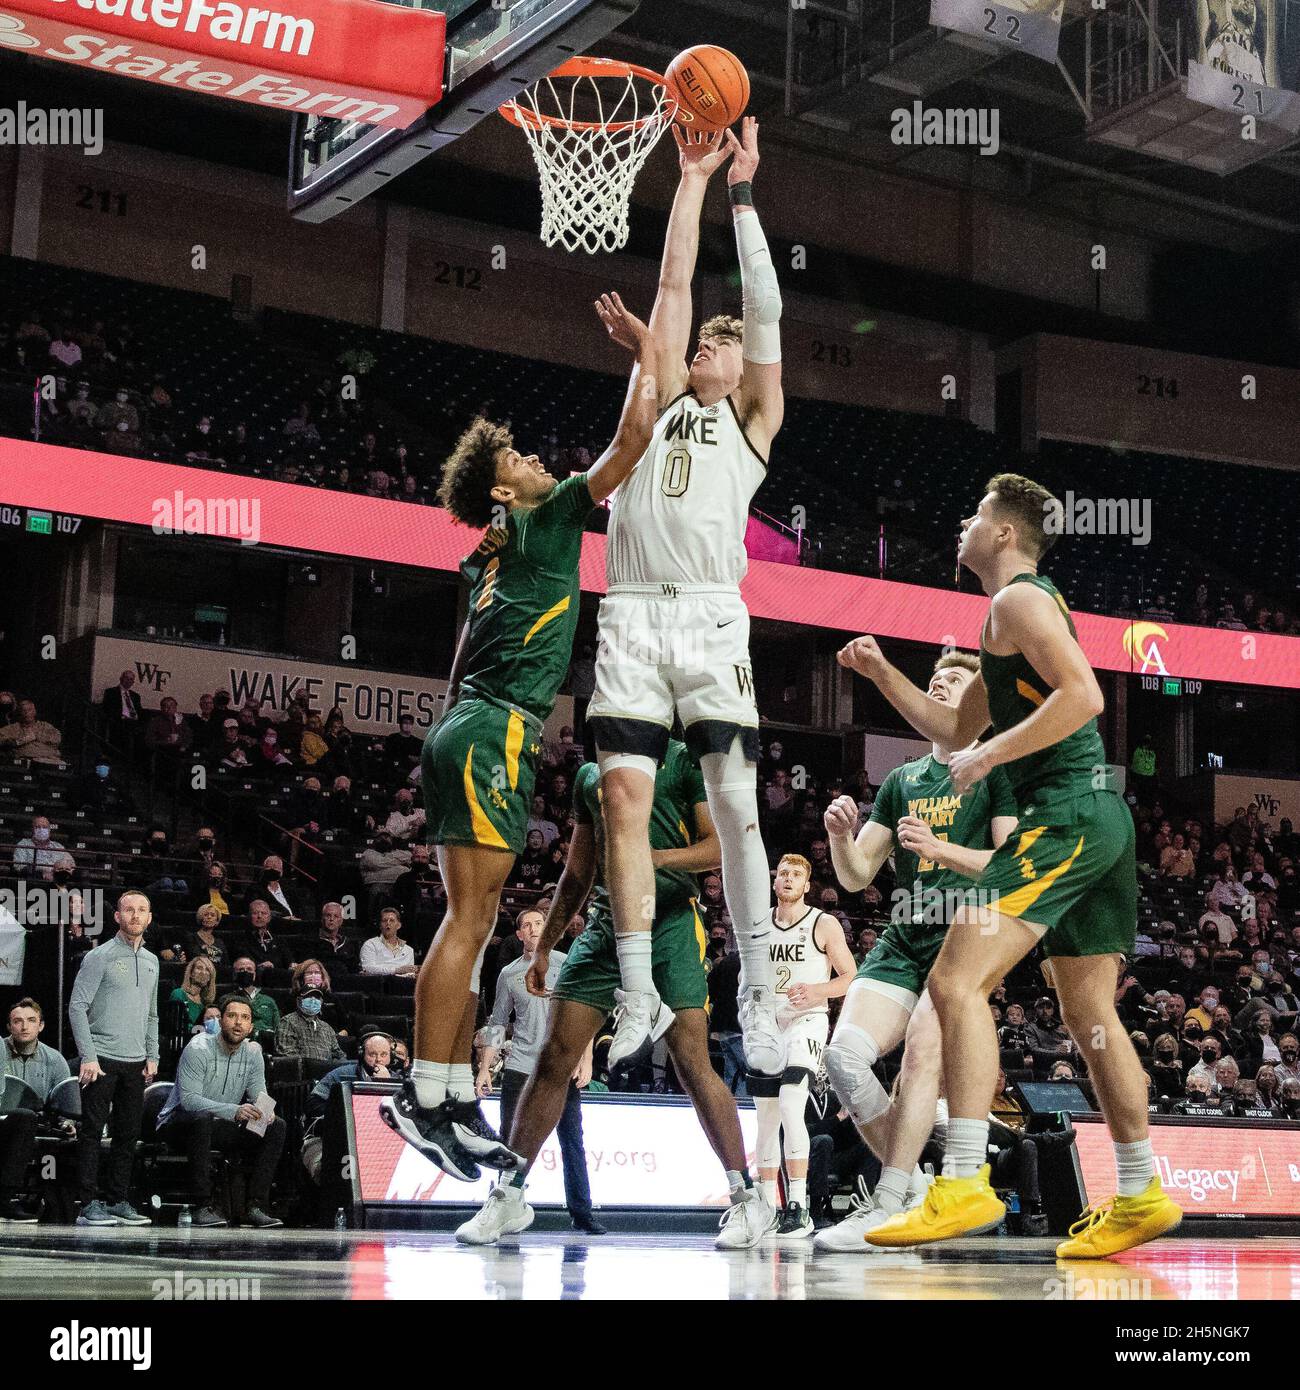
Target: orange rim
{"x": 584, "y": 66}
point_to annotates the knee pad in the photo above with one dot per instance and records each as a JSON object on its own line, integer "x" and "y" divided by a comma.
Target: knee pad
{"x": 793, "y": 1122}
{"x": 851, "y": 1054}
{"x": 476, "y": 974}
{"x": 640, "y": 761}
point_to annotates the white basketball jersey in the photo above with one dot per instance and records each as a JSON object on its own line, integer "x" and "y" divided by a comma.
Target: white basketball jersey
{"x": 796, "y": 957}
{"x": 680, "y": 517}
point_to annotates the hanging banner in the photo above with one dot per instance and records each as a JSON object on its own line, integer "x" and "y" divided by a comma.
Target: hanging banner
{"x": 354, "y": 60}
{"x": 1245, "y": 59}
{"x": 1028, "y": 26}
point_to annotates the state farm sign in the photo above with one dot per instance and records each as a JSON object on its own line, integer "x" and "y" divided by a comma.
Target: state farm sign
{"x": 357, "y": 60}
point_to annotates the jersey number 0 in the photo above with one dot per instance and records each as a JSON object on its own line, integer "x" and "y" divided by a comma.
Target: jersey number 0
{"x": 677, "y": 471}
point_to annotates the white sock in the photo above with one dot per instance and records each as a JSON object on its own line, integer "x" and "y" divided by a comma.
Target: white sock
{"x": 460, "y": 1081}
{"x": 767, "y": 1186}
{"x": 635, "y": 961}
{"x": 917, "y": 1183}
{"x": 798, "y": 1193}
{"x": 737, "y": 1185}
{"x": 1135, "y": 1166}
{"x": 891, "y": 1191}
{"x": 968, "y": 1148}
{"x": 430, "y": 1081}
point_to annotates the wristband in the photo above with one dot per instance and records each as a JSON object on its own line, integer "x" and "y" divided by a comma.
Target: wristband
{"x": 741, "y": 193}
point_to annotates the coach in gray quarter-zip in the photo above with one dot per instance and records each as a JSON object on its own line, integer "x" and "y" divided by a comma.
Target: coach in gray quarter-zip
{"x": 114, "y": 1017}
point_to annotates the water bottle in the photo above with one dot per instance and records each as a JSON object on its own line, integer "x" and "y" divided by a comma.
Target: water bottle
{"x": 340, "y": 1220}
{"x": 185, "y": 1220}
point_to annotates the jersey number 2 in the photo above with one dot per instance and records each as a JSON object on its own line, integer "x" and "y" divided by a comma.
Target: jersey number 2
{"x": 783, "y": 979}
{"x": 677, "y": 471}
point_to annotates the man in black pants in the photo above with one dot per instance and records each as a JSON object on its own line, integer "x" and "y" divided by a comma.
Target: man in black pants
{"x": 114, "y": 1017}
{"x": 213, "y": 1102}
{"x": 40, "y": 1068}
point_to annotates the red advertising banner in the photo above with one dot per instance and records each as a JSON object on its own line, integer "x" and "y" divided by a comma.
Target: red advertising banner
{"x": 360, "y": 60}
{"x": 1238, "y": 1169}
{"x": 191, "y": 500}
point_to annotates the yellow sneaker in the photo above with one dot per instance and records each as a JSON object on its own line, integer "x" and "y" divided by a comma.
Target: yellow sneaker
{"x": 952, "y": 1207}
{"x": 1120, "y": 1223}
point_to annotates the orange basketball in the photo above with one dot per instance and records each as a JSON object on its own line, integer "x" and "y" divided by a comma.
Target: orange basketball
{"x": 710, "y": 85}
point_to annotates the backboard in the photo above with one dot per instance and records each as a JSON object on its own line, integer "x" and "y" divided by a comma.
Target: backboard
{"x": 495, "y": 49}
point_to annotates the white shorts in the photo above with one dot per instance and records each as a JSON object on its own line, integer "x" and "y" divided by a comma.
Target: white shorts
{"x": 666, "y": 648}
{"x": 805, "y": 1042}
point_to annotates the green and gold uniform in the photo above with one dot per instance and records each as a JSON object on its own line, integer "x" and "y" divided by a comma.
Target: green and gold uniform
{"x": 479, "y": 761}
{"x": 1069, "y": 865}
{"x": 904, "y": 955}
{"x": 591, "y": 974}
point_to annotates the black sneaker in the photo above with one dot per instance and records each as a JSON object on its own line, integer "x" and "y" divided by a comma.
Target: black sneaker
{"x": 588, "y": 1225}
{"x": 14, "y": 1211}
{"x": 260, "y": 1220}
{"x": 430, "y": 1131}
{"x": 1033, "y": 1223}
{"x": 208, "y": 1216}
{"x": 796, "y": 1224}
{"x": 479, "y": 1138}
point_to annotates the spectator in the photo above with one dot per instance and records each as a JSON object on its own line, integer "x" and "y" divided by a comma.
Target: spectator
{"x": 1211, "y": 1051}
{"x": 386, "y": 954}
{"x": 1214, "y": 916}
{"x": 167, "y": 732}
{"x": 1207, "y": 1003}
{"x": 303, "y": 1033}
{"x": 313, "y": 746}
{"x": 381, "y": 865}
{"x": 219, "y": 1080}
{"x": 1014, "y": 1033}
{"x": 402, "y": 749}
{"x": 1062, "y": 1070}
{"x": 1288, "y": 1046}
{"x": 1291, "y": 1098}
{"x": 205, "y": 939}
{"x": 406, "y": 819}
{"x": 260, "y": 943}
{"x": 1047, "y": 1038}
{"x": 343, "y": 815}
{"x": 549, "y": 831}
{"x": 1227, "y": 892}
{"x": 331, "y": 942}
{"x": 420, "y": 899}
{"x": 312, "y": 974}
{"x": 123, "y": 713}
{"x": 157, "y": 865}
{"x": 1167, "y": 1066}
{"x": 375, "y": 1062}
{"x": 529, "y": 1013}
{"x": 202, "y": 445}
{"x": 1198, "y": 1096}
{"x": 530, "y": 868}
{"x": 197, "y": 989}
{"x": 64, "y": 350}
{"x": 114, "y": 1017}
{"x": 40, "y": 1068}
{"x": 266, "y": 1012}
{"x": 1226, "y": 1076}
{"x": 270, "y": 889}
{"x": 1176, "y": 859}
{"x": 35, "y": 855}
{"x": 215, "y": 891}
{"x": 29, "y": 739}
{"x": 228, "y": 751}
{"x": 1258, "y": 1044}
{"x": 1268, "y": 1091}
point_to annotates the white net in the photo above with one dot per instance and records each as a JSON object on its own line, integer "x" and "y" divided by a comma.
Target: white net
{"x": 590, "y": 135}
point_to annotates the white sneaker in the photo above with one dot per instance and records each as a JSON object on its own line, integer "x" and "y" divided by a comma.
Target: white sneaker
{"x": 848, "y": 1235}
{"x": 505, "y": 1213}
{"x": 639, "y": 1022}
{"x": 763, "y": 1043}
{"x": 745, "y": 1223}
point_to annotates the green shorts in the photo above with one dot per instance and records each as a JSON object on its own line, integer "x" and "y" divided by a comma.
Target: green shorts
{"x": 478, "y": 766}
{"x": 903, "y": 958}
{"x": 1072, "y": 869}
{"x": 590, "y": 973}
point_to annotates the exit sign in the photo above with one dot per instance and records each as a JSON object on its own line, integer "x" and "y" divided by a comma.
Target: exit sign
{"x": 1172, "y": 687}
{"x": 40, "y": 523}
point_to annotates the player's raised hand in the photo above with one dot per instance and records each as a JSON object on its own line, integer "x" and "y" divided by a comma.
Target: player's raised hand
{"x": 864, "y": 656}
{"x": 744, "y": 151}
{"x": 701, "y": 151}
{"x": 969, "y": 766}
{"x": 841, "y": 816}
{"x": 620, "y": 322}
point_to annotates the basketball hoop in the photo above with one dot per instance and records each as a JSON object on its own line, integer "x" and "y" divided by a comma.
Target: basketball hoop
{"x": 591, "y": 126}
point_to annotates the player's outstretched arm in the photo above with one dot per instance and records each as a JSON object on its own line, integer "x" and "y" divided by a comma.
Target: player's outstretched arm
{"x": 916, "y": 836}
{"x": 571, "y": 891}
{"x": 762, "y": 403}
{"x": 950, "y": 726}
{"x": 699, "y": 155}
{"x": 703, "y": 854}
{"x": 856, "y": 855}
{"x": 1028, "y": 619}
{"x": 637, "y": 422}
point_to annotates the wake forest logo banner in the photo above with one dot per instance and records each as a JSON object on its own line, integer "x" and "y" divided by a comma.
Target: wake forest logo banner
{"x": 1028, "y": 26}
{"x": 1245, "y": 58}
{"x": 371, "y": 701}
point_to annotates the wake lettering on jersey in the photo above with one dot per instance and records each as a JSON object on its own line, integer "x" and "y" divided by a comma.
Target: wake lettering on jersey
{"x": 694, "y": 429}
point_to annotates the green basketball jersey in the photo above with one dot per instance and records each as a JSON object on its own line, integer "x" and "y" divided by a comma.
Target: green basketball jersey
{"x": 1015, "y": 690}
{"x": 523, "y": 602}
{"x": 679, "y": 788}
{"x": 924, "y": 789}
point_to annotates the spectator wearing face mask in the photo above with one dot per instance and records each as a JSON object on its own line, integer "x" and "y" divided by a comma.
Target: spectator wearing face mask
{"x": 260, "y": 942}
{"x": 35, "y": 855}
{"x": 1167, "y": 1066}
{"x": 418, "y": 896}
{"x": 204, "y": 849}
{"x": 157, "y": 865}
{"x": 1288, "y": 1069}
{"x": 268, "y": 758}
{"x": 406, "y": 820}
{"x": 1203, "y": 1011}
{"x": 1198, "y": 1096}
{"x": 215, "y": 891}
{"x": 266, "y": 1012}
{"x": 387, "y": 953}
{"x": 228, "y": 753}
{"x": 197, "y": 990}
{"x": 1210, "y": 1054}
{"x": 313, "y": 974}
{"x": 304, "y": 1033}
{"x": 270, "y": 888}
{"x": 29, "y": 739}
{"x": 1290, "y": 1099}
{"x": 220, "y": 1077}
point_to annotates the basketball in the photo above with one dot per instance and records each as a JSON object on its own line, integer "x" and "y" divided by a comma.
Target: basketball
{"x": 710, "y": 86}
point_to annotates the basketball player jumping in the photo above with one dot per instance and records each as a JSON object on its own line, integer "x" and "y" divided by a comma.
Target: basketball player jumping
{"x": 1067, "y": 878}
{"x": 674, "y": 631}
{"x": 941, "y": 840}
{"x": 480, "y": 760}
{"x": 588, "y": 980}
{"x": 812, "y": 964}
